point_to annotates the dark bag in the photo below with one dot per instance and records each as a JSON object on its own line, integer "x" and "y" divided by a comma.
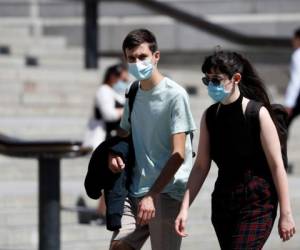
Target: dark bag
{"x": 252, "y": 116}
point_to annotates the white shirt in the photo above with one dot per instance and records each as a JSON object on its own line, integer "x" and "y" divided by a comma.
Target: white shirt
{"x": 105, "y": 100}
{"x": 293, "y": 89}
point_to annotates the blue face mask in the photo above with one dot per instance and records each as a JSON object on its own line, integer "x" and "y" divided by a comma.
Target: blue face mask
{"x": 142, "y": 70}
{"x": 120, "y": 87}
{"x": 217, "y": 92}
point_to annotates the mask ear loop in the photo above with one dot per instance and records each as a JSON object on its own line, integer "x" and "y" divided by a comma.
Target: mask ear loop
{"x": 219, "y": 106}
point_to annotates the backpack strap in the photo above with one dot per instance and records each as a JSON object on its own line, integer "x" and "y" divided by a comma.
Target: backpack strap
{"x": 252, "y": 115}
{"x": 253, "y": 125}
{"x": 131, "y": 94}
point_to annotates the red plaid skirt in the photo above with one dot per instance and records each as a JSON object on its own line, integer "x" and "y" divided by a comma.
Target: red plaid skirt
{"x": 243, "y": 215}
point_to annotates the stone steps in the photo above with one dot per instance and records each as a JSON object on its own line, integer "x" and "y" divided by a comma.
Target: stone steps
{"x": 66, "y": 53}
{"x": 199, "y": 227}
{"x": 33, "y": 111}
{"x": 28, "y": 42}
{"x": 42, "y": 62}
{"x": 26, "y": 169}
{"x": 14, "y": 32}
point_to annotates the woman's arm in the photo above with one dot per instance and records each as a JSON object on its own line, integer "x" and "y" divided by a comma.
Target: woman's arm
{"x": 271, "y": 146}
{"x": 197, "y": 177}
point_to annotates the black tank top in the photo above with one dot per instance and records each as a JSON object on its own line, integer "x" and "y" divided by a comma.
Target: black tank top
{"x": 230, "y": 143}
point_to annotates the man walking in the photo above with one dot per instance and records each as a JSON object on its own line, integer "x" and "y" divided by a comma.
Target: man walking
{"x": 292, "y": 97}
{"x": 161, "y": 123}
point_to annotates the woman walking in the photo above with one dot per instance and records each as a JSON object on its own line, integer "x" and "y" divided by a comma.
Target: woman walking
{"x": 251, "y": 176}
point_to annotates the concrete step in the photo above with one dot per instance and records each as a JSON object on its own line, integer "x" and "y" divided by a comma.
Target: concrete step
{"x": 43, "y": 42}
{"x": 62, "y": 76}
{"x": 66, "y": 53}
{"x": 49, "y": 63}
{"x": 199, "y": 228}
{"x": 27, "y": 169}
{"x": 8, "y": 87}
{"x": 56, "y": 99}
{"x": 28, "y": 236}
{"x": 34, "y": 111}
{"x": 15, "y": 31}
{"x": 171, "y": 34}
{"x": 24, "y": 194}
{"x": 57, "y": 9}
{"x": 11, "y": 62}
{"x": 14, "y": 218}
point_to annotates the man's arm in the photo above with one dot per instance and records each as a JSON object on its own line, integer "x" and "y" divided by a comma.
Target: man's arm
{"x": 293, "y": 88}
{"x": 146, "y": 206}
{"x": 115, "y": 162}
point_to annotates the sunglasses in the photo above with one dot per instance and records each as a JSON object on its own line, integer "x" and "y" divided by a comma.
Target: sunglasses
{"x": 214, "y": 80}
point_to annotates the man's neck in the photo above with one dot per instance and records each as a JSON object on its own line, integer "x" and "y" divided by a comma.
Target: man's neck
{"x": 152, "y": 82}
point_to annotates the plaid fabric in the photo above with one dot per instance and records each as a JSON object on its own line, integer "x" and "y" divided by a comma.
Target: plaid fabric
{"x": 243, "y": 216}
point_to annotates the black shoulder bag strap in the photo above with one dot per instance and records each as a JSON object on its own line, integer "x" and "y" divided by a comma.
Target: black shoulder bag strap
{"x": 252, "y": 116}
{"x": 253, "y": 126}
{"x": 131, "y": 97}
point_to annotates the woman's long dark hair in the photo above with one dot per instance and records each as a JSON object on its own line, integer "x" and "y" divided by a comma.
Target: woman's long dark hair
{"x": 251, "y": 86}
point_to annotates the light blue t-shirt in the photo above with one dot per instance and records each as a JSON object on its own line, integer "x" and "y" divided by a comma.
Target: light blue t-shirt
{"x": 157, "y": 114}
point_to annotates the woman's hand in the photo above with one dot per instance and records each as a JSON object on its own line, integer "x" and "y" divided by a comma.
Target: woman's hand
{"x": 286, "y": 226}
{"x": 180, "y": 223}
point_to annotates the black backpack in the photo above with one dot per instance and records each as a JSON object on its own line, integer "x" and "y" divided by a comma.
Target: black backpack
{"x": 252, "y": 117}
{"x": 131, "y": 97}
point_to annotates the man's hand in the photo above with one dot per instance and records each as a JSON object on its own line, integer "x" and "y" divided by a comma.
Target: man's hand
{"x": 115, "y": 163}
{"x": 146, "y": 210}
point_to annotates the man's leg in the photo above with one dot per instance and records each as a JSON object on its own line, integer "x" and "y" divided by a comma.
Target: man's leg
{"x": 130, "y": 236}
{"x": 296, "y": 111}
{"x": 162, "y": 228}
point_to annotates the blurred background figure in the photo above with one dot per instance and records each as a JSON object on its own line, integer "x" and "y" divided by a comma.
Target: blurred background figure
{"x": 108, "y": 106}
{"x": 292, "y": 97}
{"x": 106, "y": 116}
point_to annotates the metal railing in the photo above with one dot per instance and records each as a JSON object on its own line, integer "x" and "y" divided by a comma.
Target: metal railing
{"x": 196, "y": 21}
{"x": 48, "y": 154}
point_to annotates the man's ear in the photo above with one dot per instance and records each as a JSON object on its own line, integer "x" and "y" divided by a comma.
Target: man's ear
{"x": 157, "y": 56}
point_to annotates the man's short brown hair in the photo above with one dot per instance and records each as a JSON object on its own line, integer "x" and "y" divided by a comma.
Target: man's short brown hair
{"x": 137, "y": 37}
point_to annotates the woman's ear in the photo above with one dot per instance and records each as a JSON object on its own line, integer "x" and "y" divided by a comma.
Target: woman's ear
{"x": 237, "y": 78}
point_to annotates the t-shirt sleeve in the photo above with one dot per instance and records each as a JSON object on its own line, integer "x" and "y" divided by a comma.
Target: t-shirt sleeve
{"x": 181, "y": 115}
{"x": 124, "y": 124}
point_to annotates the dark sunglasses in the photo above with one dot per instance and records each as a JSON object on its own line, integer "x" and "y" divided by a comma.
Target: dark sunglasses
{"x": 214, "y": 80}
